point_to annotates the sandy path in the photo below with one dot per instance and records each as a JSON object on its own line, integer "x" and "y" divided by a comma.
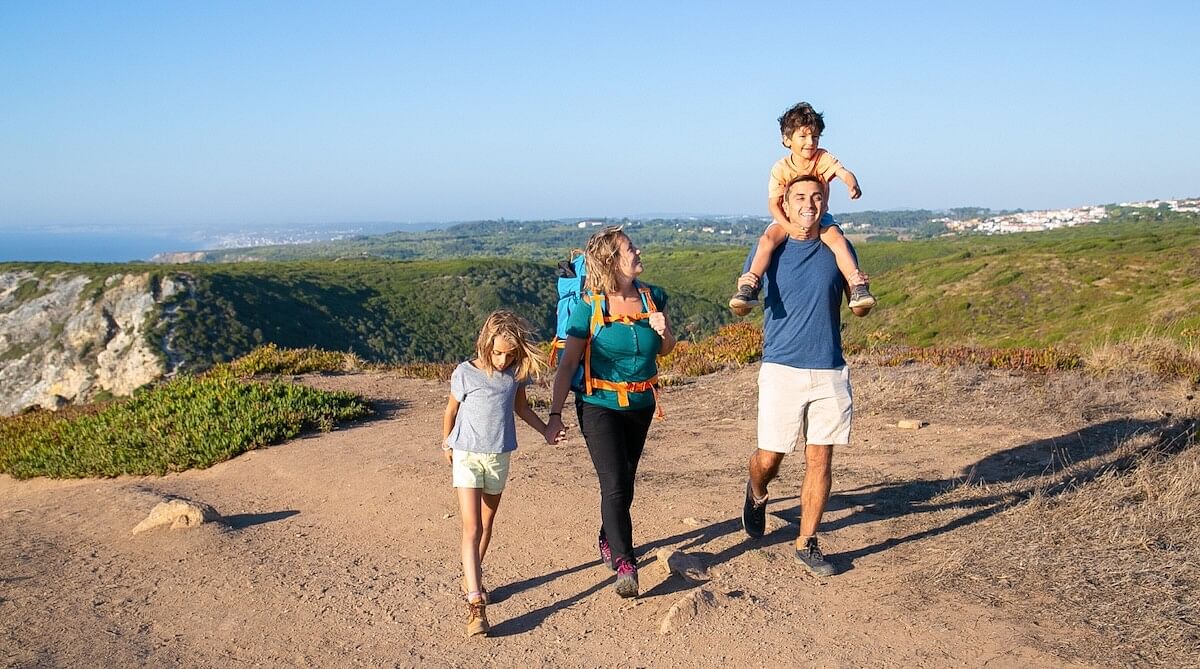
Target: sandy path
{"x": 341, "y": 549}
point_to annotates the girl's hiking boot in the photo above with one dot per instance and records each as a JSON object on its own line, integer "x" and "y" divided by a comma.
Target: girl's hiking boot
{"x": 477, "y": 622}
{"x": 627, "y": 582}
{"x": 606, "y": 553}
{"x": 745, "y": 299}
{"x": 811, "y": 557}
{"x": 860, "y": 296}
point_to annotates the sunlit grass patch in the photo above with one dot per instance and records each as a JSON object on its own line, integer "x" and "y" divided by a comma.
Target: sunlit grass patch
{"x": 187, "y": 423}
{"x": 270, "y": 359}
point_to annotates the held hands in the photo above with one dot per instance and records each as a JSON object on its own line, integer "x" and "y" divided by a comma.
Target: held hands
{"x": 555, "y": 431}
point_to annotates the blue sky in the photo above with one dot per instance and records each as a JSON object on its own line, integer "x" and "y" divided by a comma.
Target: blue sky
{"x": 199, "y": 115}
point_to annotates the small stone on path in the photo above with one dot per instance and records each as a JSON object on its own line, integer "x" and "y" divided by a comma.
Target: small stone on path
{"x": 177, "y": 513}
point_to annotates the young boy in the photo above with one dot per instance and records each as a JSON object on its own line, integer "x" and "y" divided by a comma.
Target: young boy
{"x": 801, "y": 128}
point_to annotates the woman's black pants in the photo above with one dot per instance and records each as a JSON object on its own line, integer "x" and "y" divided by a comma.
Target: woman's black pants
{"x": 615, "y": 439}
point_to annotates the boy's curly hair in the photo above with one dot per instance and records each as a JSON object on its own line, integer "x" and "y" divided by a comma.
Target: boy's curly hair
{"x": 801, "y": 115}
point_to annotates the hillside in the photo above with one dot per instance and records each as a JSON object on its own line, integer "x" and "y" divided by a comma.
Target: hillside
{"x": 1074, "y": 288}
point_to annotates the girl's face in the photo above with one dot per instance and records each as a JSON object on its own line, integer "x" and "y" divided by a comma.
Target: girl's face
{"x": 504, "y": 352}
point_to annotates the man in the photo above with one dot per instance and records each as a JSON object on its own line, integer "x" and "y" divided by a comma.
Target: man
{"x": 804, "y": 385}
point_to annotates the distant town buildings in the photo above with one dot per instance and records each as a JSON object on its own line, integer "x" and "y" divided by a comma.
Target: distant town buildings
{"x": 1033, "y": 221}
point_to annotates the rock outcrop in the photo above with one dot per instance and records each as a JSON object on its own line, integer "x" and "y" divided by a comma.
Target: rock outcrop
{"x": 66, "y": 337}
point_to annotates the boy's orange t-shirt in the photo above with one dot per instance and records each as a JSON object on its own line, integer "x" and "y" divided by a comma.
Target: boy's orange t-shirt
{"x": 823, "y": 166}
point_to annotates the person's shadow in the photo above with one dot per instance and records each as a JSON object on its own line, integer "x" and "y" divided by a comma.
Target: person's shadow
{"x": 1049, "y": 466}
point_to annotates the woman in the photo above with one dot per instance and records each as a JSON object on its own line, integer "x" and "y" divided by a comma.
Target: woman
{"x": 616, "y": 331}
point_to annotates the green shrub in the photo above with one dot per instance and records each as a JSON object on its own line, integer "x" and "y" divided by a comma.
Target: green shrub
{"x": 187, "y": 423}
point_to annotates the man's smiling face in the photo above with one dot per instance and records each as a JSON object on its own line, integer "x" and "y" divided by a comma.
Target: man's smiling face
{"x": 804, "y": 203}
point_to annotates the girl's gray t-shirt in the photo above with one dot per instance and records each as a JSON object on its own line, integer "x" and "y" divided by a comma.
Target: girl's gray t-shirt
{"x": 485, "y": 422}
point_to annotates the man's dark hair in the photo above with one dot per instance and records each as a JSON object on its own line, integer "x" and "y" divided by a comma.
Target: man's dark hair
{"x": 801, "y": 115}
{"x": 803, "y": 177}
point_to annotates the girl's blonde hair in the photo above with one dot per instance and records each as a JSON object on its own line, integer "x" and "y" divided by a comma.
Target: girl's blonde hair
{"x": 530, "y": 362}
{"x": 601, "y": 255}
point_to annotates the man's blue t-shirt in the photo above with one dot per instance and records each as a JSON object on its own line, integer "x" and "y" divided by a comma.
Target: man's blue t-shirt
{"x": 802, "y": 300}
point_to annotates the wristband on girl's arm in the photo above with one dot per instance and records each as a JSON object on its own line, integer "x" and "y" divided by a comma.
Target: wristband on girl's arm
{"x": 555, "y": 413}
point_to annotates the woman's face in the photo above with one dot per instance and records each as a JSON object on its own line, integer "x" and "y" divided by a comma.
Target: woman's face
{"x": 629, "y": 259}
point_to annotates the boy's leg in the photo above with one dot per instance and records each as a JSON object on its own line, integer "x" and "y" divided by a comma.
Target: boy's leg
{"x": 860, "y": 292}
{"x": 746, "y": 296}
{"x": 469, "y": 508}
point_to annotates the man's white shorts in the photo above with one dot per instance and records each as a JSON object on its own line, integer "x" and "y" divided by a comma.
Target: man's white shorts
{"x": 805, "y": 406}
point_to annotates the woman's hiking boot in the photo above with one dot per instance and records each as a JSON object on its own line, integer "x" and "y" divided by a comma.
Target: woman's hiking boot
{"x": 627, "y": 581}
{"x": 477, "y": 622}
{"x": 606, "y": 552}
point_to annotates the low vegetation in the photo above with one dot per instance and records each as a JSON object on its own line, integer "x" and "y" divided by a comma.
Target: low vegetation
{"x": 187, "y": 423}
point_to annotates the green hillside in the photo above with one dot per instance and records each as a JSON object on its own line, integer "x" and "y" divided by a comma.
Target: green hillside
{"x": 1075, "y": 287}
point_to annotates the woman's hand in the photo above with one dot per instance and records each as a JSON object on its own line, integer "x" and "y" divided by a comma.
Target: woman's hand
{"x": 448, "y": 455}
{"x": 555, "y": 431}
{"x": 658, "y": 323}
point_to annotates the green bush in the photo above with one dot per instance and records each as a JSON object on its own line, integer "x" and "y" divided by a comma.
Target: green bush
{"x": 187, "y": 423}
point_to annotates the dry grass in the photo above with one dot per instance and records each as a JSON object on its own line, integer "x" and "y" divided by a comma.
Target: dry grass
{"x": 1163, "y": 356}
{"x": 1111, "y": 541}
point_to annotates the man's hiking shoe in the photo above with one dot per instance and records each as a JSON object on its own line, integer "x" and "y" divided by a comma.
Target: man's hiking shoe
{"x": 811, "y": 556}
{"x": 745, "y": 299}
{"x": 627, "y": 582}
{"x": 860, "y": 296}
{"x": 606, "y": 552}
{"x": 754, "y": 516}
{"x": 477, "y": 622}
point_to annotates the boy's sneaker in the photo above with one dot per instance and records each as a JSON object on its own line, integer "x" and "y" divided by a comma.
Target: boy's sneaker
{"x": 745, "y": 299}
{"x": 754, "y": 516}
{"x": 860, "y": 296}
{"x": 477, "y": 622}
{"x": 811, "y": 556}
{"x": 606, "y": 552}
{"x": 627, "y": 582}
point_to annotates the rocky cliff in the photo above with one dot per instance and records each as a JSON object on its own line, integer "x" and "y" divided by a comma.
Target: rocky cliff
{"x": 67, "y": 337}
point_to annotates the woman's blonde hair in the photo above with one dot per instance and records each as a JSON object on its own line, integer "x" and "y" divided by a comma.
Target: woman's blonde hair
{"x": 530, "y": 362}
{"x": 601, "y": 255}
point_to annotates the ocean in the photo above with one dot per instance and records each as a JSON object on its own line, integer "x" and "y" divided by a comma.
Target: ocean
{"x": 91, "y": 245}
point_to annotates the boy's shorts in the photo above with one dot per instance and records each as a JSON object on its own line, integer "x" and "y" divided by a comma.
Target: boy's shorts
{"x": 481, "y": 470}
{"x": 813, "y": 404}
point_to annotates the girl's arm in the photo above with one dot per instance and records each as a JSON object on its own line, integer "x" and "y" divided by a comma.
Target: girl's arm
{"x": 448, "y": 420}
{"x": 521, "y": 408}
{"x": 567, "y": 365}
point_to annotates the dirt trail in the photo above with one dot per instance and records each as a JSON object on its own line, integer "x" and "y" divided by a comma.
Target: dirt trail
{"x": 340, "y": 549}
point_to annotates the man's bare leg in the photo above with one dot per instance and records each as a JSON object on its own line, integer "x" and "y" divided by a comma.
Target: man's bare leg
{"x": 764, "y": 467}
{"x": 814, "y": 493}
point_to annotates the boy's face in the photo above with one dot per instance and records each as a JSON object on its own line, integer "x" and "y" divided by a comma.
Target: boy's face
{"x": 803, "y": 142}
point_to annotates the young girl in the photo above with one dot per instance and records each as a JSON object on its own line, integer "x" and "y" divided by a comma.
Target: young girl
{"x": 479, "y": 435}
